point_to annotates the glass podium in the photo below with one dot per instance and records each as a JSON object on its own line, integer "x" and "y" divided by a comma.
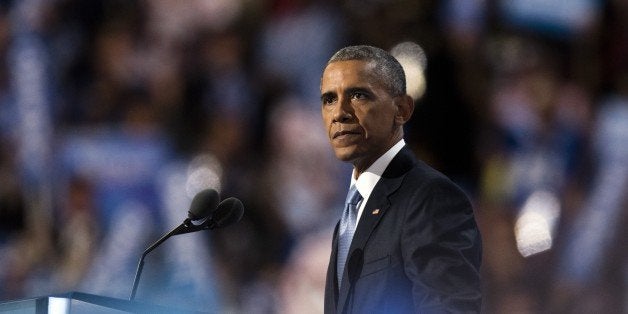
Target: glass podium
{"x": 79, "y": 302}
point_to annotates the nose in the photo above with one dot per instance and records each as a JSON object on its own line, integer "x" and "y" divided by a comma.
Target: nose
{"x": 343, "y": 111}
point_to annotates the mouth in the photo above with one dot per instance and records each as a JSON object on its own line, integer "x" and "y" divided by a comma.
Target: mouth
{"x": 344, "y": 134}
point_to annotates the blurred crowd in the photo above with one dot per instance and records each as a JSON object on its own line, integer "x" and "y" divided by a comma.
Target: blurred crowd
{"x": 115, "y": 113}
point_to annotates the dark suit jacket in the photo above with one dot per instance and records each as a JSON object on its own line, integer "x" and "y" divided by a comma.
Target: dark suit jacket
{"x": 416, "y": 249}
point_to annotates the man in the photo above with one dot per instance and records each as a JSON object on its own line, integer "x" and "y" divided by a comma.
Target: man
{"x": 410, "y": 244}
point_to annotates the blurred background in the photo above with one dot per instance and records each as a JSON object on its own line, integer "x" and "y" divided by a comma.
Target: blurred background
{"x": 115, "y": 113}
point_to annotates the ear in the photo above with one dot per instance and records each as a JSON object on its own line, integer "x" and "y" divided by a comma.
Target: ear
{"x": 405, "y": 108}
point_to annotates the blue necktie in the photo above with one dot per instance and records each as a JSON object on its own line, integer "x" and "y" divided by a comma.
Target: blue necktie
{"x": 347, "y": 228}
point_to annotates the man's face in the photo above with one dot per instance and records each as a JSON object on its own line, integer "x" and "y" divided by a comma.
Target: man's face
{"x": 358, "y": 112}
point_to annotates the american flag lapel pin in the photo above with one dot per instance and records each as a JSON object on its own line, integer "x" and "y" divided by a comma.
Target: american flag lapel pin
{"x": 375, "y": 212}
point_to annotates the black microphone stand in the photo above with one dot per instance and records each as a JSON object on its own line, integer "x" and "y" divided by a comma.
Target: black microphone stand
{"x": 227, "y": 212}
{"x": 186, "y": 227}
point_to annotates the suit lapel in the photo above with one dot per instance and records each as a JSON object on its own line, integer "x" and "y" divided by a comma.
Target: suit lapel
{"x": 332, "y": 280}
{"x": 376, "y": 207}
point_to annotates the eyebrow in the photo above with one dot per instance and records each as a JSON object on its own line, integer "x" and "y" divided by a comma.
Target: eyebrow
{"x": 352, "y": 90}
{"x": 349, "y": 90}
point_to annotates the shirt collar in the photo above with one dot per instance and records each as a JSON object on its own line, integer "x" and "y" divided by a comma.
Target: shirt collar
{"x": 369, "y": 178}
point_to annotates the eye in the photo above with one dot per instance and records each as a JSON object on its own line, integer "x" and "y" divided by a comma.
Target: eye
{"x": 359, "y": 95}
{"x": 327, "y": 99}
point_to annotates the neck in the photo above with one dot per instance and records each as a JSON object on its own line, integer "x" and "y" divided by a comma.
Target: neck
{"x": 360, "y": 166}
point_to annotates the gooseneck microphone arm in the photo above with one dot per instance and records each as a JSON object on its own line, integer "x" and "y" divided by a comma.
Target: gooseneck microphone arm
{"x": 205, "y": 214}
{"x": 140, "y": 265}
{"x": 202, "y": 206}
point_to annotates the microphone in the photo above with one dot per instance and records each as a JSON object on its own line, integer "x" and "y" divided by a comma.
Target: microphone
{"x": 228, "y": 212}
{"x": 203, "y": 205}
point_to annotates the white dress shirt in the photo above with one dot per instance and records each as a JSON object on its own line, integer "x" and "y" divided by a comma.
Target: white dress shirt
{"x": 366, "y": 182}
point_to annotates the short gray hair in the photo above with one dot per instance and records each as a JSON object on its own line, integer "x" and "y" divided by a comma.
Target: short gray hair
{"x": 387, "y": 68}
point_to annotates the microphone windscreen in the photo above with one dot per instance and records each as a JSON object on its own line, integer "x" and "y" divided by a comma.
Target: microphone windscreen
{"x": 203, "y": 204}
{"x": 229, "y": 211}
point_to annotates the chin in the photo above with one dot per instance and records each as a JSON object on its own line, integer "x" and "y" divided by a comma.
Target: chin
{"x": 345, "y": 154}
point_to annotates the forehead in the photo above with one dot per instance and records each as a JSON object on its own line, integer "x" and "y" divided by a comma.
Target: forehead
{"x": 350, "y": 73}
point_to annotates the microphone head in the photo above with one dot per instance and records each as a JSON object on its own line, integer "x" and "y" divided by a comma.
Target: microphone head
{"x": 229, "y": 211}
{"x": 203, "y": 204}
